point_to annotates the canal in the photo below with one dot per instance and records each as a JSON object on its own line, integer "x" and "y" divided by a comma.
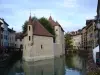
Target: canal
{"x": 66, "y": 65}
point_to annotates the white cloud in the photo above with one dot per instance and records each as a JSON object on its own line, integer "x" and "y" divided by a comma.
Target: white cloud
{"x": 69, "y": 3}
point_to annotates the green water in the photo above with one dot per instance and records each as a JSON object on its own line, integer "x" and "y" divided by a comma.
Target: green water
{"x": 69, "y": 65}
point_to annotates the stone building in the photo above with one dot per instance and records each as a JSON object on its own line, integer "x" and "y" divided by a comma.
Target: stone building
{"x": 84, "y": 38}
{"x": 38, "y": 43}
{"x": 59, "y": 45}
{"x": 76, "y": 39}
{"x": 19, "y": 40}
{"x": 11, "y": 37}
{"x": 91, "y": 33}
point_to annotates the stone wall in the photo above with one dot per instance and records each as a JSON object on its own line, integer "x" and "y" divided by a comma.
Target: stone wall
{"x": 42, "y": 48}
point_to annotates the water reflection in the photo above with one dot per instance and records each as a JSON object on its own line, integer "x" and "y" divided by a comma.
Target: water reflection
{"x": 46, "y": 67}
{"x": 71, "y": 65}
{"x": 76, "y": 65}
{"x": 17, "y": 69}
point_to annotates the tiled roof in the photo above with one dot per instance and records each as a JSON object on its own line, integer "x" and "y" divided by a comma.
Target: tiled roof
{"x": 38, "y": 29}
{"x": 10, "y": 30}
{"x": 4, "y": 21}
{"x": 53, "y": 23}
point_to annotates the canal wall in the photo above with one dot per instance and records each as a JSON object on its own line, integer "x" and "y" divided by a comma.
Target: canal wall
{"x": 91, "y": 66}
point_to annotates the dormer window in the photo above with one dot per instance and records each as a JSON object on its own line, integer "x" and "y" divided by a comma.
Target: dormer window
{"x": 29, "y": 28}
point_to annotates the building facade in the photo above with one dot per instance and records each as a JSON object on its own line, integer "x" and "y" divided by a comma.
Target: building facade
{"x": 7, "y": 35}
{"x": 92, "y": 38}
{"x": 84, "y": 38}
{"x": 76, "y": 39}
{"x": 59, "y": 44}
{"x": 11, "y": 37}
{"x": 38, "y": 43}
{"x": 19, "y": 40}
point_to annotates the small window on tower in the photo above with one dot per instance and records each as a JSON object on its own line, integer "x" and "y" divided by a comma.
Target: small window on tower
{"x": 29, "y": 28}
{"x": 29, "y": 38}
{"x": 41, "y": 46}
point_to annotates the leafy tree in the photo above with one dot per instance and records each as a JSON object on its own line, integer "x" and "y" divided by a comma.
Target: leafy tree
{"x": 68, "y": 41}
{"x": 47, "y": 25}
{"x": 24, "y": 27}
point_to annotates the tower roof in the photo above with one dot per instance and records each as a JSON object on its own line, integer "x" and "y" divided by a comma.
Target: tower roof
{"x": 50, "y": 18}
{"x": 52, "y": 22}
{"x": 30, "y": 20}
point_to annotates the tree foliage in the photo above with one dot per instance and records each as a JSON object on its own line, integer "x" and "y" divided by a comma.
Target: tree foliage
{"x": 24, "y": 27}
{"x": 47, "y": 25}
{"x": 68, "y": 41}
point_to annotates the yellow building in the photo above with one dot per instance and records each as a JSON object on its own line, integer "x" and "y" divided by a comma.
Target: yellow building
{"x": 76, "y": 39}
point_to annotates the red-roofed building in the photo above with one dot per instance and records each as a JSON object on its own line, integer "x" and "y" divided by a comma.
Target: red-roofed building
{"x": 38, "y": 42}
{"x": 59, "y": 45}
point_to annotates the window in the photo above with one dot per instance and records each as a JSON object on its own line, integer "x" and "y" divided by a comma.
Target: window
{"x": 29, "y": 28}
{"x": 29, "y": 38}
{"x": 91, "y": 35}
{"x": 25, "y": 46}
{"x": 6, "y": 37}
{"x": 54, "y": 40}
{"x": 15, "y": 39}
{"x": 56, "y": 29}
{"x": 20, "y": 39}
{"x": 41, "y": 46}
{"x": 21, "y": 46}
{"x": 1, "y": 36}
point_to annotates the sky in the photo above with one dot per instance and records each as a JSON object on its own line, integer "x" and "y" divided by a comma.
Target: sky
{"x": 71, "y": 14}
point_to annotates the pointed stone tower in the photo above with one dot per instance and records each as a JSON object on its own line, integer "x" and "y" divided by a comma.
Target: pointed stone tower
{"x": 30, "y": 31}
{"x": 59, "y": 40}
